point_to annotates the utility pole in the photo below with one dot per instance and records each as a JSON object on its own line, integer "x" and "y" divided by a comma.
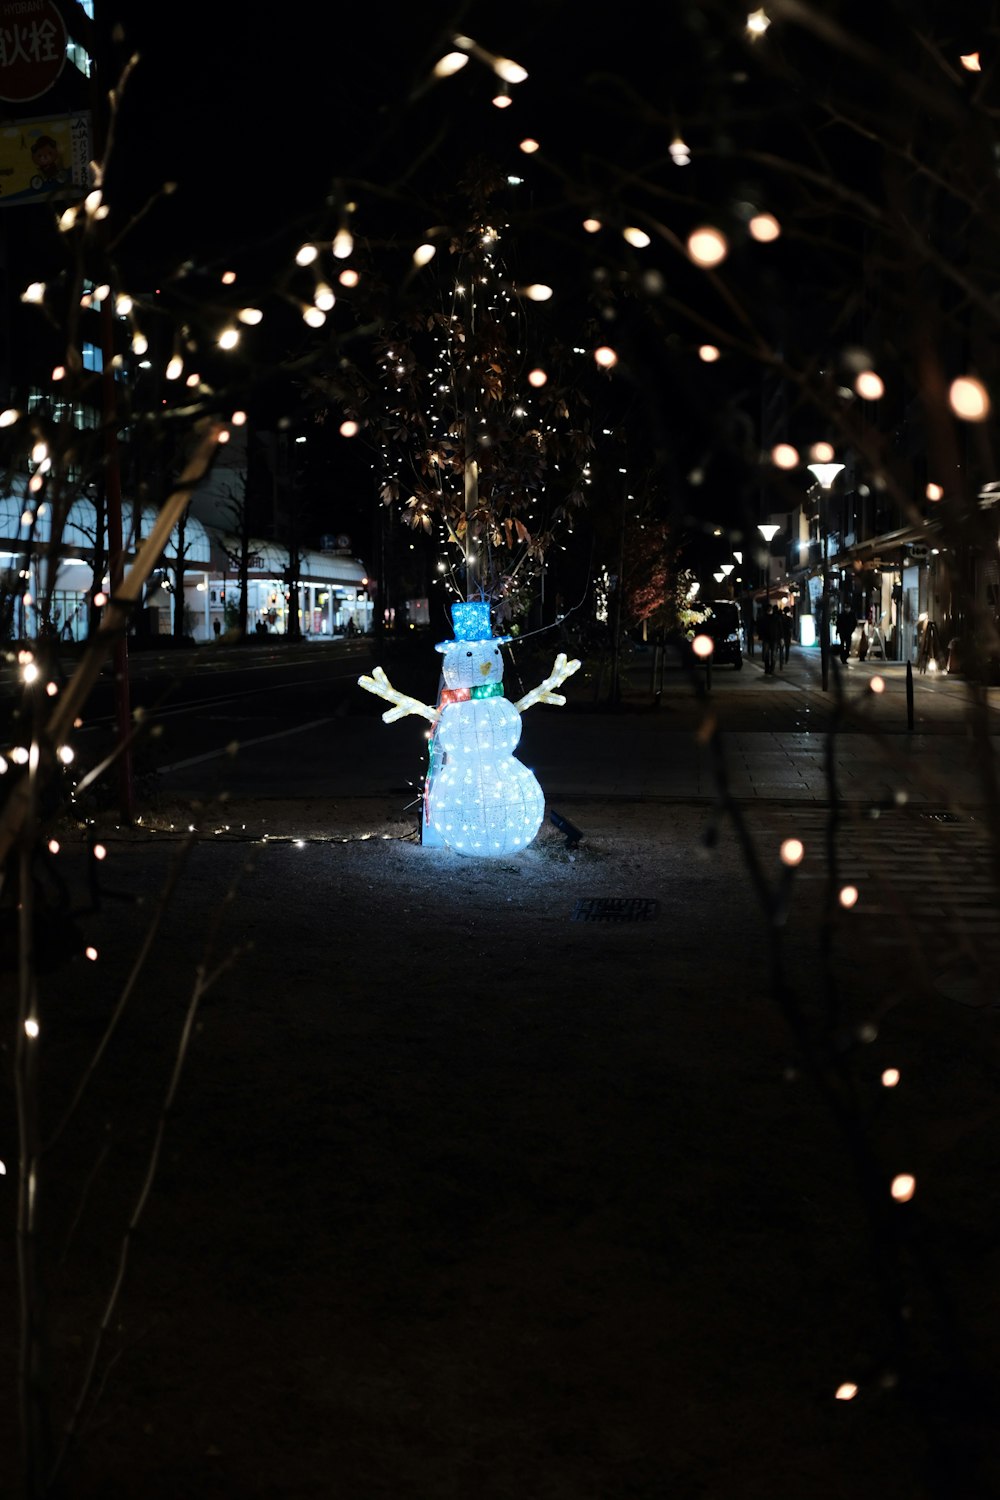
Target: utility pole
{"x": 825, "y": 474}
{"x": 615, "y": 689}
{"x": 116, "y": 565}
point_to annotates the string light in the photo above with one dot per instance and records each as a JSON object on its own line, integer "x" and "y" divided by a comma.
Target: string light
{"x": 890, "y": 1078}
{"x": 764, "y": 228}
{"x": 707, "y": 247}
{"x": 903, "y": 1187}
{"x": 509, "y": 71}
{"x": 869, "y": 386}
{"x": 792, "y": 852}
{"x": 451, "y": 63}
{"x": 784, "y": 456}
{"x": 969, "y": 399}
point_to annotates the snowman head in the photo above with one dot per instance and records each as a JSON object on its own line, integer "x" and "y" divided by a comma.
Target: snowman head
{"x": 469, "y": 664}
{"x": 473, "y": 658}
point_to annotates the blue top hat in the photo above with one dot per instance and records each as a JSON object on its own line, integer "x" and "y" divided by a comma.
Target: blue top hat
{"x": 470, "y": 621}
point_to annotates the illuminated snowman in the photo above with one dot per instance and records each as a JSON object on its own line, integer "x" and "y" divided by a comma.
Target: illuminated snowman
{"x": 479, "y": 798}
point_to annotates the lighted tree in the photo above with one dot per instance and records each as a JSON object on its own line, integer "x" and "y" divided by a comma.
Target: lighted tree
{"x": 476, "y": 407}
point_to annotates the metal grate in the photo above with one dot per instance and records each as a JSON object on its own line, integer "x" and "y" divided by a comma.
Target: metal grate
{"x": 615, "y": 909}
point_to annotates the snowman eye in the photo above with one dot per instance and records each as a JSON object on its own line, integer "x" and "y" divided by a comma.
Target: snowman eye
{"x": 468, "y": 653}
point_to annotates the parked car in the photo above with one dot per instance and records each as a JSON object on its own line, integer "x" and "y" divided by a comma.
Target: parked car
{"x": 725, "y": 625}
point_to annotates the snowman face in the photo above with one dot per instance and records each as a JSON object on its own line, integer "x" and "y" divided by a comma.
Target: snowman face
{"x": 469, "y": 664}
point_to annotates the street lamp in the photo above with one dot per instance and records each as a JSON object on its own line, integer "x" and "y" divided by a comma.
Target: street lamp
{"x": 768, "y": 532}
{"x": 825, "y": 474}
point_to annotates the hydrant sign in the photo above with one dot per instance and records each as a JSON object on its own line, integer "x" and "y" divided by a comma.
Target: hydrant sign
{"x": 32, "y": 48}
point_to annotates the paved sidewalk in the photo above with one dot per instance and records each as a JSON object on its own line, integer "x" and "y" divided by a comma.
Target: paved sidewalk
{"x": 876, "y": 757}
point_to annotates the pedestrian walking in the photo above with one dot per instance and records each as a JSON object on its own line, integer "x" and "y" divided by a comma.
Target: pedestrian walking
{"x": 846, "y": 624}
{"x": 770, "y": 637}
{"x": 785, "y": 617}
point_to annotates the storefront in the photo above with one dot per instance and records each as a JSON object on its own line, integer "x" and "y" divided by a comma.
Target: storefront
{"x": 28, "y": 585}
{"x": 332, "y": 592}
{"x": 332, "y": 587}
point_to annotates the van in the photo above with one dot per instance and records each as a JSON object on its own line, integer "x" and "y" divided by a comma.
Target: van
{"x": 725, "y": 625}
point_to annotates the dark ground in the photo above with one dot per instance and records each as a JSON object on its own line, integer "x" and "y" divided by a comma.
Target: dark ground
{"x": 460, "y": 1197}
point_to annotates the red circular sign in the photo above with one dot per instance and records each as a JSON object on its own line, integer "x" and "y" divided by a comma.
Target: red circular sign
{"x": 32, "y": 48}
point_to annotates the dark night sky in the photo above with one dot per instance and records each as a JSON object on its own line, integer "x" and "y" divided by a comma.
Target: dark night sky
{"x": 254, "y": 113}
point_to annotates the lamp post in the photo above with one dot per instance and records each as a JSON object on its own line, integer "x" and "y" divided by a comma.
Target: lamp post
{"x": 825, "y": 474}
{"x": 769, "y": 532}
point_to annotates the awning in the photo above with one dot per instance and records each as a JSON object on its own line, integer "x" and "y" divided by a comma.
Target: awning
{"x": 272, "y": 561}
{"x": 888, "y": 544}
